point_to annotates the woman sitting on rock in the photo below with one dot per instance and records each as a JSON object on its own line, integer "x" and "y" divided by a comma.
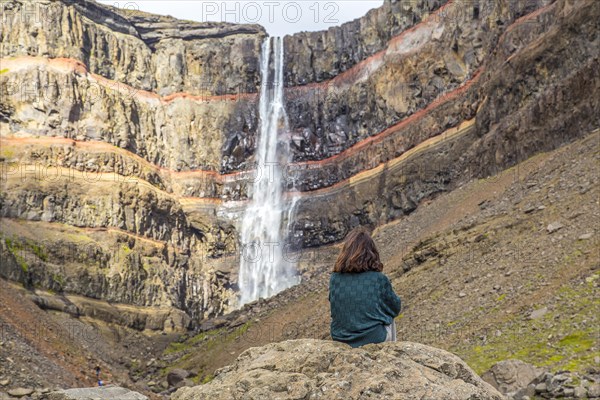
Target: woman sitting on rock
{"x": 363, "y": 302}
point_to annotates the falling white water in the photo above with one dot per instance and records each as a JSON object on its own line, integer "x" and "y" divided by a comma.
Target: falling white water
{"x": 265, "y": 268}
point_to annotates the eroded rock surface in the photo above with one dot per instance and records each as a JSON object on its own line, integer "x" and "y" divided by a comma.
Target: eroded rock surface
{"x": 308, "y": 368}
{"x": 511, "y": 376}
{"x": 106, "y": 392}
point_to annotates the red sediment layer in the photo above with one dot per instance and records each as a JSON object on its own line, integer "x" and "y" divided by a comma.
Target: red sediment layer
{"x": 527, "y": 17}
{"x": 309, "y": 164}
{"x": 210, "y": 200}
{"x": 77, "y": 67}
{"x": 423, "y": 145}
{"x": 353, "y": 73}
{"x": 521, "y": 21}
{"x": 394, "y": 128}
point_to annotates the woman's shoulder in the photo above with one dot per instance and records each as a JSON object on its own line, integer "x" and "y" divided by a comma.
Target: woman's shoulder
{"x": 375, "y": 275}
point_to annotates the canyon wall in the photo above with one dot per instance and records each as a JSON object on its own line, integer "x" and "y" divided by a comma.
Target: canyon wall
{"x": 127, "y": 139}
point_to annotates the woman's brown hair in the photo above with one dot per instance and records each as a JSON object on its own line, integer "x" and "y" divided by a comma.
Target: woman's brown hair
{"x": 359, "y": 254}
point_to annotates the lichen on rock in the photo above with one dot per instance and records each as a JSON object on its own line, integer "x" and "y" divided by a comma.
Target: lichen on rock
{"x": 309, "y": 368}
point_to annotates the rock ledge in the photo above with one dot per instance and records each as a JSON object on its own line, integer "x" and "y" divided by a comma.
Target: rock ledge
{"x": 308, "y": 368}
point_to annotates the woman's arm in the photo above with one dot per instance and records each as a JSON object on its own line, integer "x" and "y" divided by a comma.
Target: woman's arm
{"x": 391, "y": 300}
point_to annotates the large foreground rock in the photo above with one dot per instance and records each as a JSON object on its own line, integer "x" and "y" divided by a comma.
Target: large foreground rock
{"x": 308, "y": 368}
{"x": 512, "y": 376}
{"x": 105, "y": 392}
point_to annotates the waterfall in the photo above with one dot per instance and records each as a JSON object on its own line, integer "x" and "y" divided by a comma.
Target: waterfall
{"x": 264, "y": 268}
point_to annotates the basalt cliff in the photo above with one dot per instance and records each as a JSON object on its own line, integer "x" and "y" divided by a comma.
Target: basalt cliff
{"x": 128, "y": 139}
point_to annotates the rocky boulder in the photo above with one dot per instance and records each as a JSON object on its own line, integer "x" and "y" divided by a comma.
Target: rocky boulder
{"x": 20, "y": 392}
{"x": 105, "y": 392}
{"x": 512, "y": 376}
{"x": 176, "y": 376}
{"x": 309, "y": 368}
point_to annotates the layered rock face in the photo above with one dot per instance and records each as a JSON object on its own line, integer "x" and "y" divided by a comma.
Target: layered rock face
{"x": 113, "y": 130}
{"x": 308, "y": 368}
{"x": 127, "y": 139}
{"x": 461, "y": 95}
{"x": 144, "y": 51}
